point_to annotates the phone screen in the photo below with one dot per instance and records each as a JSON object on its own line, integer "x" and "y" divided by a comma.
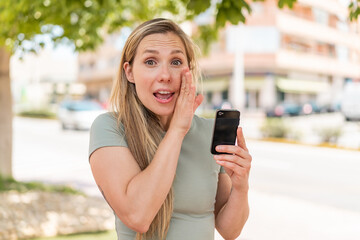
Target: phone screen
{"x": 226, "y": 124}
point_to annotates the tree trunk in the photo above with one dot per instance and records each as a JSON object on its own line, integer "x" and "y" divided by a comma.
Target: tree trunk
{"x": 5, "y": 115}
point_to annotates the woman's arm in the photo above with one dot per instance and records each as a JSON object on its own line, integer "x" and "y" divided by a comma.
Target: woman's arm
{"x": 232, "y": 208}
{"x": 136, "y": 196}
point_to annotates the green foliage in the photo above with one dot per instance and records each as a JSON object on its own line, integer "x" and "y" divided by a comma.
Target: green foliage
{"x": 38, "y": 114}
{"x": 231, "y": 10}
{"x": 354, "y": 10}
{"x": 23, "y": 20}
{"x": 84, "y": 23}
{"x": 288, "y": 3}
{"x": 7, "y": 184}
{"x": 274, "y": 128}
{"x": 205, "y": 35}
{"x": 198, "y": 6}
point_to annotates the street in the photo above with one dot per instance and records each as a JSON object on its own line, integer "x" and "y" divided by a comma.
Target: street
{"x": 296, "y": 191}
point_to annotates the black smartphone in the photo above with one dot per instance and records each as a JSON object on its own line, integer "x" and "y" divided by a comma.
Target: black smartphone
{"x": 225, "y": 127}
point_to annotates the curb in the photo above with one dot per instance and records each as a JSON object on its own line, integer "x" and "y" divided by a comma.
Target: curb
{"x": 321, "y": 145}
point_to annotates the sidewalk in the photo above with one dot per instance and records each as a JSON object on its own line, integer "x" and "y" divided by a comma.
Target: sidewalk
{"x": 299, "y": 220}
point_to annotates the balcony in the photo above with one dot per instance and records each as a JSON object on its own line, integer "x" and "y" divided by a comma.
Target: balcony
{"x": 305, "y": 62}
{"x": 331, "y": 6}
{"x": 302, "y": 28}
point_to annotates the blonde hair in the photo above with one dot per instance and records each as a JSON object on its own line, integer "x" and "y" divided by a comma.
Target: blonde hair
{"x": 142, "y": 127}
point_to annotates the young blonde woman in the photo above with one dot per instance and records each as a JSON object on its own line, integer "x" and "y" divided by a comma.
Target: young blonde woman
{"x": 150, "y": 156}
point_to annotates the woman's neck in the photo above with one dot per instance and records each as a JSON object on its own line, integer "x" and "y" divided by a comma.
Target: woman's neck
{"x": 165, "y": 122}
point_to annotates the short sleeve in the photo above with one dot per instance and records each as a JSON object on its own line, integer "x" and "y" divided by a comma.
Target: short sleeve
{"x": 106, "y": 132}
{"x": 222, "y": 170}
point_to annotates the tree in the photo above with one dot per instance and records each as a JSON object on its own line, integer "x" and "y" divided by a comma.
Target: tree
{"x": 85, "y": 22}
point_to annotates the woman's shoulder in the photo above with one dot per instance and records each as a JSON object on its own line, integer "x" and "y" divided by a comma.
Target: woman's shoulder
{"x": 106, "y": 121}
{"x": 201, "y": 121}
{"x": 106, "y": 117}
{"x": 106, "y": 131}
{"x": 200, "y": 124}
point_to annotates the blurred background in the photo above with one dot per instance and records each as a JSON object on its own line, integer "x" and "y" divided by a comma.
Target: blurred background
{"x": 293, "y": 72}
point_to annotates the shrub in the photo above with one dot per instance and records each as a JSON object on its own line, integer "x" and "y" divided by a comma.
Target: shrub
{"x": 208, "y": 114}
{"x": 329, "y": 134}
{"x": 8, "y": 184}
{"x": 38, "y": 114}
{"x": 274, "y": 128}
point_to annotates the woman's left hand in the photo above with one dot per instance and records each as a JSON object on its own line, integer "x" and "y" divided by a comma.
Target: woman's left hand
{"x": 237, "y": 162}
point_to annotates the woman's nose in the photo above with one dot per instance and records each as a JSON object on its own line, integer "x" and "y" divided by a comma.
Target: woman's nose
{"x": 165, "y": 75}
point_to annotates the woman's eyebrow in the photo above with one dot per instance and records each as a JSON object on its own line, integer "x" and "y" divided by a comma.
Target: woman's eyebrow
{"x": 157, "y": 52}
{"x": 150, "y": 51}
{"x": 177, "y": 51}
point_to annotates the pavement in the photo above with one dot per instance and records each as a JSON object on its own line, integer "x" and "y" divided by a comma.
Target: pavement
{"x": 281, "y": 217}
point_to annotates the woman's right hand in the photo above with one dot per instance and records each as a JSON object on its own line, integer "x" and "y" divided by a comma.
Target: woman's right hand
{"x": 186, "y": 104}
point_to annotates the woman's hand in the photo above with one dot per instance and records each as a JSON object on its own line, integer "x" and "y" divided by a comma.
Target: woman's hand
{"x": 237, "y": 162}
{"x": 186, "y": 104}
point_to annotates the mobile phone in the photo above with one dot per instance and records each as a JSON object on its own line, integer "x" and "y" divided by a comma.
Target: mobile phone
{"x": 225, "y": 128}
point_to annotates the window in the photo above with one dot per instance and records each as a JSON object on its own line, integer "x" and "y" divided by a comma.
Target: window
{"x": 295, "y": 43}
{"x": 342, "y": 53}
{"x": 333, "y": 21}
{"x": 225, "y": 95}
{"x": 301, "y": 11}
{"x": 321, "y": 48}
{"x": 342, "y": 26}
{"x": 320, "y": 16}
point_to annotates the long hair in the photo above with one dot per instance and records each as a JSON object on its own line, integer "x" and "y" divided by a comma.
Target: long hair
{"x": 142, "y": 127}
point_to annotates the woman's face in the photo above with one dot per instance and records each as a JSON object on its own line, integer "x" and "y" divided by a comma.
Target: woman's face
{"x": 156, "y": 71}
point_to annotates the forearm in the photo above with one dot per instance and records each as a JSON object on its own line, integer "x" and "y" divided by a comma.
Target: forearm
{"x": 147, "y": 191}
{"x": 233, "y": 216}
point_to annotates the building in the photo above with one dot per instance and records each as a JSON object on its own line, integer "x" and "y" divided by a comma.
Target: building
{"x": 290, "y": 55}
{"x": 98, "y": 69}
{"x": 41, "y": 81}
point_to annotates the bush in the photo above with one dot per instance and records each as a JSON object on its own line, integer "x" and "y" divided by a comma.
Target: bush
{"x": 329, "y": 134}
{"x": 274, "y": 128}
{"x": 38, "y": 114}
{"x": 208, "y": 114}
{"x": 8, "y": 183}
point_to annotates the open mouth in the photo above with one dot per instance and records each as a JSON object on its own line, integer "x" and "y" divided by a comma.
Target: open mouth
{"x": 164, "y": 96}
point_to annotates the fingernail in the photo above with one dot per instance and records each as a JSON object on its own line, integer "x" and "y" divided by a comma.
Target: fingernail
{"x": 218, "y": 148}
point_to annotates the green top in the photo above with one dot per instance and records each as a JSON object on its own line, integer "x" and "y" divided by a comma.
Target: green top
{"x": 194, "y": 186}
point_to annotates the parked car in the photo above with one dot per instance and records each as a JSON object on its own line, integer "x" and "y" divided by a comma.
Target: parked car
{"x": 350, "y": 104}
{"x": 79, "y": 115}
{"x": 311, "y": 107}
{"x": 285, "y": 109}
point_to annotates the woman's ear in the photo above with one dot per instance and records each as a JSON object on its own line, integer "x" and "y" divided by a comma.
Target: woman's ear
{"x": 128, "y": 72}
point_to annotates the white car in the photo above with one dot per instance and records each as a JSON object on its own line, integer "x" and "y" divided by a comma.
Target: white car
{"x": 79, "y": 115}
{"x": 350, "y": 104}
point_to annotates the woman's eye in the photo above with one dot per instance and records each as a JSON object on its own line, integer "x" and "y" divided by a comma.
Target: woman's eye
{"x": 150, "y": 62}
{"x": 176, "y": 62}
